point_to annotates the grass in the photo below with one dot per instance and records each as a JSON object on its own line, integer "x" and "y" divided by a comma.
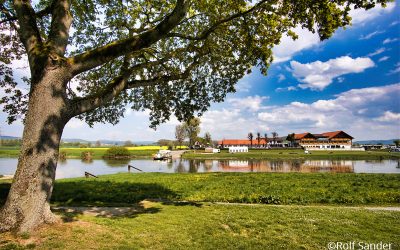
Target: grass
{"x": 211, "y": 226}
{"x": 75, "y": 153}
{"x": 176, "y": 211}
{"x": 265, "y": 188}
{"x": 98, "y": 153}
{"x": 288, "y": 154}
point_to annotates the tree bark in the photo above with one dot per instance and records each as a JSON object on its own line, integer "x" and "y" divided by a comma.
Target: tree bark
{"x": 27, "y": 204}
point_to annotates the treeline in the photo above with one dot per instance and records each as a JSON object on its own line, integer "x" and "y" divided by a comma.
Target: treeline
{"x": 11, "y": 142}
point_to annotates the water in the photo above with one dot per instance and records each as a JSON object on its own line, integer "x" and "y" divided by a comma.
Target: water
{"x": 76, "y": 168}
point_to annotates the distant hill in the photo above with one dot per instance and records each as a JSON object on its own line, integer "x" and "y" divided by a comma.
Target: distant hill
{"x": 119, "y": 143}
{"x": 75, "y": 140}
{"x": 384, "y": 142}
{"x": 6, "y": 137}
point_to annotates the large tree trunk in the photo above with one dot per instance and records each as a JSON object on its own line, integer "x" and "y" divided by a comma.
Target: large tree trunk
{"x": 27, "y": 204}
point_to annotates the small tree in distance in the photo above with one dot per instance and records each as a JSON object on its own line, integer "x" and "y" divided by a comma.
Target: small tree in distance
{"x": 180, "y": 134}
{"x": 258, "y": 138}
{"x": 250, "y": 137}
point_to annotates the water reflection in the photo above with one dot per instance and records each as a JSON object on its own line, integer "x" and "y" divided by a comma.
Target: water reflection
{"x": 76, "y": 167}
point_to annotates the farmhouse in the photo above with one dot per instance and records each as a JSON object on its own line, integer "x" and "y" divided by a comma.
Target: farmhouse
{"x": 337, "y": 140}
{"x": 328, "y": 140}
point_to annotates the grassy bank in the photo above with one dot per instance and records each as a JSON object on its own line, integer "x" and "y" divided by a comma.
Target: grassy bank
{"x": 211, "y": 226}
{"x": 266, "y": 188}
{"x": 97, "y": 153}
{"x": 159, "y": 219}
{"x": 289, "y": 154}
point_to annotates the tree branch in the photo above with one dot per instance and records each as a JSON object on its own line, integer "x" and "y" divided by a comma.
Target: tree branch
{"x": 99, "y": 56}
{"x": 28, "y": 31}
{"x": 40, "y": 14}
{"x": 121, "y": 83}
{"x": 213, "y": 27}
{"x": 60, "y": 25}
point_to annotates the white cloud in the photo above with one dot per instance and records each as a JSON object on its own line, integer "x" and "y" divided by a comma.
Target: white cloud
{"x": 231, "y": 123}
{"x": 370, "y": 35}
{"x": 360, "y": 16}
{"x": 243, "y": 86}
{"x": 281, "y": 77}
{"x": 288, "y": 47}
{"x": 290, "y": 88}
{"x": 394, "y": 23}
{"x": 352, "y": 111}
{"x": 385, "y": 58}
{"x": 396, "y": 70}
{"x": 389, "y": 116}
{"x": 377, "y": 52}
{"x": 390, "y": 40}
{"x": 253, "y": 103}
{"x": 306, "y": 39}
{"x": 75, "y": 124}
{"x": 318, "y": 75}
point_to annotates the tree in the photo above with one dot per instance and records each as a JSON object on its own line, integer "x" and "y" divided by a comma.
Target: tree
{"x": 258, "y": 138}
{"x": 164, "y": 142}
{"x": 180, "y": 134}
{"x": 291, "y": 139}
{"x": 98, "y": 144}
{"x": 397, "y": 142}
{"x": 128, "y": 143}
{"x": 266, "y": 139}
{"x": 208, "y": 139}
{"x": 169, "y": 57}
{"x": 274, "y": 137}
{"x": 192, "y": 128}
{"x": 250, "y": 137}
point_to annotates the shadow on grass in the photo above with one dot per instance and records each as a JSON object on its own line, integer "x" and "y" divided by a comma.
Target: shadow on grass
{"x": 70, "y": 214}
{"x": 106, "y": 198}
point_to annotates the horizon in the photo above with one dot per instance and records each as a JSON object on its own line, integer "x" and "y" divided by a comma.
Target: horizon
{"x": 350, "y": 82}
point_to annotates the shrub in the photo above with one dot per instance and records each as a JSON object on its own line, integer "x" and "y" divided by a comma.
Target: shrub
{"x": 87, "y": 156}
{"x": 117, "y": 152}
{"x": 62, "y": 156}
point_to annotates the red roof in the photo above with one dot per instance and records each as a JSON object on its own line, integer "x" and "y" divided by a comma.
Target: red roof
{"x": 301, "y": 136}
{"x": 328, "y": 135}
{"x": 331, "y": 135}
{"x": 240, "y": 142}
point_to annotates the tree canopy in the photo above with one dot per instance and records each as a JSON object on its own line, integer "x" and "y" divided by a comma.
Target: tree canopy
{"x": 169, "y": 57}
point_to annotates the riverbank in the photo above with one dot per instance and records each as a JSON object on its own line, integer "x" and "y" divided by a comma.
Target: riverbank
{"x": 264, "y": 188}
{"x": 97, "y": 153}
{"x": 218, "y": 211}
{"x": 293, "y": 154}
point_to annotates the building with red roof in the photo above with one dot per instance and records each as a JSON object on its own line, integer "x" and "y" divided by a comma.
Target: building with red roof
{"x": 325, "y": 141}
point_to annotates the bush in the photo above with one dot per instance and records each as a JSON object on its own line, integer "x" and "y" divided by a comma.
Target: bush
{"x": 87, "y": 156}
{"x": 117, "y": 152}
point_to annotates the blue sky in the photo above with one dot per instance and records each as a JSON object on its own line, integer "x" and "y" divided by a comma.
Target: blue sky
{"x": 350, "y": 82}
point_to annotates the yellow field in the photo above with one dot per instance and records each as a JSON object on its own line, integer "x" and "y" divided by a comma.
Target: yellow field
{"x": 131, "y": 148}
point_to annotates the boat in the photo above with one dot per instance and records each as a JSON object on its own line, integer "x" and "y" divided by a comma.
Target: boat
{"x": 162, "y": 155}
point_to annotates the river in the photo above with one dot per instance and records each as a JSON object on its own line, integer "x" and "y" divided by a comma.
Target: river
{"x": 76, "y": 168}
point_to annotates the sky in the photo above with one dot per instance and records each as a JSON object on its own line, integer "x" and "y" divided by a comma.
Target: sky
{"x": 350, "y": 82}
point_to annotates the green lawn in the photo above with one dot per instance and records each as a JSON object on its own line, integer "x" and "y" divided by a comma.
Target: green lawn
{"x": 212, "y": 226}
{"x": 177, "y": 211}
{"x": 266, "y": 188}
{"x": 284, "y": 154}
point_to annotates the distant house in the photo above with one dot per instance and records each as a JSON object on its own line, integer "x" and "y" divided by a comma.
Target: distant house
{"x": 324, "y": 141}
